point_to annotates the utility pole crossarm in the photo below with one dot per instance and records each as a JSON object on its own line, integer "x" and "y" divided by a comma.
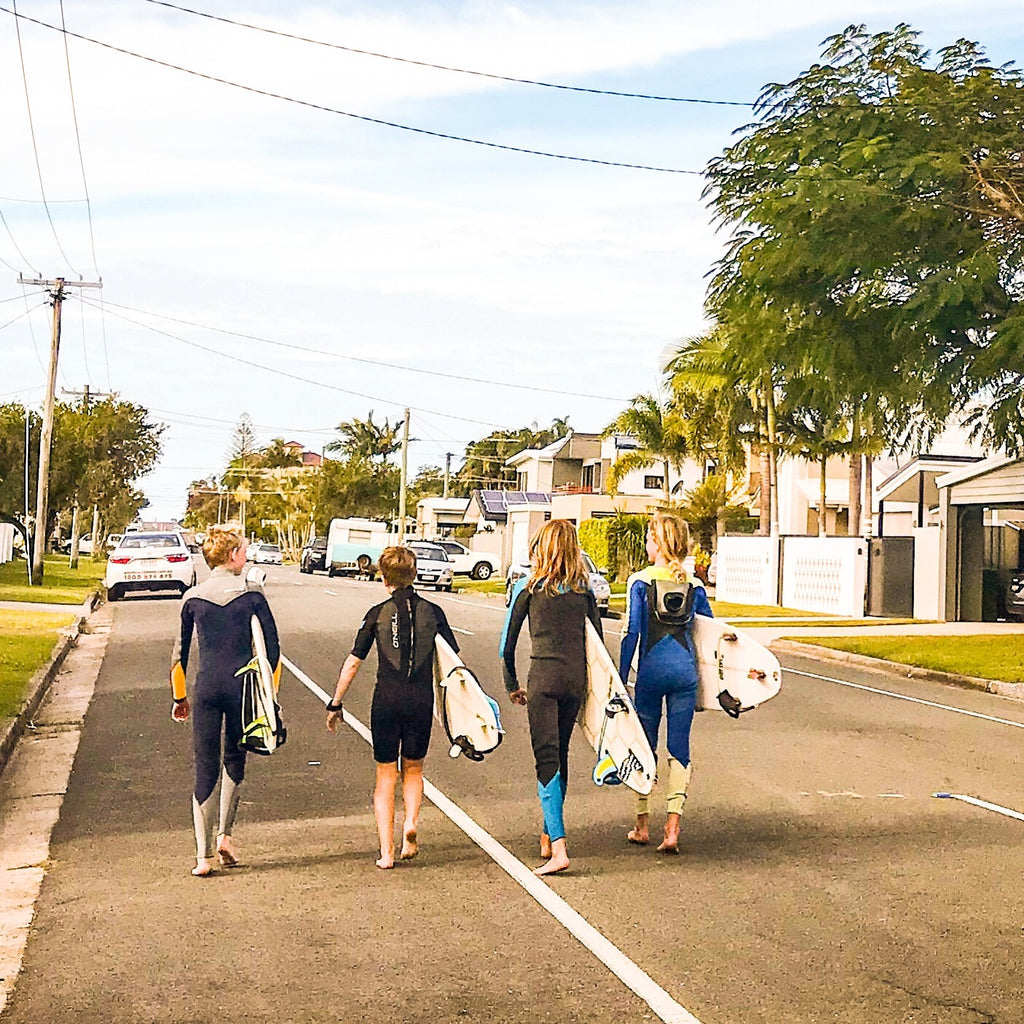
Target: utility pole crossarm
{"x": 62, "y": 282}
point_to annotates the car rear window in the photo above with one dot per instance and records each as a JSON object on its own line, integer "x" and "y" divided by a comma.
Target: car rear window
{"x": 269, "y": 547}
{"x": 151, "y": 540}
{"x": 429, "y": 551}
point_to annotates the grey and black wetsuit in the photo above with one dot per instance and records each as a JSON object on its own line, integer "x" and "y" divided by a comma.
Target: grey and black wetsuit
{"x": 401, "y": 714}
{"x": 556, "y": 682}
{"x": 219, "y": 612}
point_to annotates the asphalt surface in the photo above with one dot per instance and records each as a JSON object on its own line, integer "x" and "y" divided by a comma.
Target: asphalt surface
{"x": 820, "y": 880}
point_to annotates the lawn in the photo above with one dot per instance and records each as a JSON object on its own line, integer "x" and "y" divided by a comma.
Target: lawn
{"x": 987, "y": 657}
{"x": 26, "y": 641}
{"x": 464, "y": 585}
{"x": 60, "y": 585}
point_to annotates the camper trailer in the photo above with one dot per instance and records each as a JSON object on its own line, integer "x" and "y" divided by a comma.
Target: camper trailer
{"x": 354, "y": 545}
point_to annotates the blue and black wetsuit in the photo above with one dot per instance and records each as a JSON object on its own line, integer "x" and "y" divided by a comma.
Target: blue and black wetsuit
{"x": 666, "y": 677}
{"x": 219, "y": 611}
{"x": 404, "y": 628}
{"x": 556, "y": 682}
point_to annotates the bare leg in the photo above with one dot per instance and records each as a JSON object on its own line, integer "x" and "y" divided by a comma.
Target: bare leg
{"x": 670, "y": 844}
{"x": 545, "y": 846}
{"x": 559, "y": 859}
{"x": 384, "y": 812}
{"x": 641, "y": 834}
{"x": 227, "y": 853}
{"x": 204, "y": 867}
{"x": 412, "y": 797}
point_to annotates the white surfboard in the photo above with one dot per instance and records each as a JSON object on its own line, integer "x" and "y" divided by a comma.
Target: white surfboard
{"x": 735, "y": 673}
{"x": 262, "y": 729}
{"x": 611, "y": 725}
{"x": 469, "y": 717}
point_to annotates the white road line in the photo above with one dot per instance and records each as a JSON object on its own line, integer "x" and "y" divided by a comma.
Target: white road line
{"x": 333, "y": 593}
{"x": 663, "y": 1005}
{"x": 903, "y": 696}
{"x": 456, "y": 629}
{"x": 980, "y": 803}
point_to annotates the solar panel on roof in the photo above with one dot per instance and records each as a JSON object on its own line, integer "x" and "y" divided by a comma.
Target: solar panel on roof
{"x": 538, "y": 497}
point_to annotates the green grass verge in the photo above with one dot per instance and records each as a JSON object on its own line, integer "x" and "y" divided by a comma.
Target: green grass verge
{"x": 60, "y": 585}
{"x": 987, "y": 657}
{"x": 464, "y": 585}
{"x": 26, "y": 641}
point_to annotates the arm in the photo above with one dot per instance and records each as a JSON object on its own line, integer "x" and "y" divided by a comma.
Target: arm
{"x": 444, "y": 630}
{"x": 701, "y": 604}
{"x": 636, "y": 602}
{"x": 345, "y": 678}
{"x": 179, "y": 664}
{"x": 517, "y": 612}
{"x": 270, "y": 636}
{"x": 594, "y": 614}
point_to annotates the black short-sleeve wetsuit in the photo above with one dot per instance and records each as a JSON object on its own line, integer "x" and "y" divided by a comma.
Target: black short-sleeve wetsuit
{"x": 404, "y": 628}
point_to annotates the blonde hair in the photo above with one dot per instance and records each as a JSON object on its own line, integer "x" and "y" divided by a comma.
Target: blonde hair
{"x": 557, "y": 562}
{"x": 671, "y": 536}
{"x": 221, "y": 542}
{"x": 398, "y": 566}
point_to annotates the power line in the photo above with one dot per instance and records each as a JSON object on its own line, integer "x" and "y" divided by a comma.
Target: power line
{"x": 7, "y": 228}
{"x": 32, "y": 133}
{"x": 293, "y": 376}
{"x": 445, "y": 67}
{"x": 371, "y": 362}
{"x": 78, "y": 142}
{"x": 345, "y": 113}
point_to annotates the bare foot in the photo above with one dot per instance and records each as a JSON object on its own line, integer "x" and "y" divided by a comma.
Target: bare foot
{"x": 409, "y": 845}
{"x": 385, "y": 863}
{"x": 553, "y": 866}
{"x": 204, "y": 867}
{"x": 639, "y": 835}
{"x": 670, "y": 844}
{"x": 545, "y": 846}
{"x": 226, "y": 852}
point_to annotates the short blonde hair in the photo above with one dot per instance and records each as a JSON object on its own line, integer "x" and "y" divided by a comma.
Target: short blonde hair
{"x": 671, "y": 536}
{"x": 557, "y": 560}
{"x": 221, "y": 542}
{"x": 398, "y": 566}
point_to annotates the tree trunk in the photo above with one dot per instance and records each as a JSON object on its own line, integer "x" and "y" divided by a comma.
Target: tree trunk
{"x": 822, "y": 510}
{"x": 868, "y": 530}
{"x": 668, "y": 489}
{"x": 73, "y": 560}
{"x": 764, "y": 522}
{"x": 773, "y": 463}
{"x": 854, "y": 513}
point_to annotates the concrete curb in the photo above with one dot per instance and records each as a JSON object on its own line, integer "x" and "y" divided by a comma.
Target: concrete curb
{"x": 1013, "y": 690}
{"x": 39, "y": 685}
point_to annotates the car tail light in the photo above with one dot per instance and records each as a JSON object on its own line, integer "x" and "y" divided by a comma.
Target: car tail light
{"x": 121, "y": 559}
{"x": 177, "y": 558}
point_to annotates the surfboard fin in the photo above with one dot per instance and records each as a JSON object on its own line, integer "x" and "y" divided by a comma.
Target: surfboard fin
{"x": 730, "y": 705}
{"x": 606, "y": 773}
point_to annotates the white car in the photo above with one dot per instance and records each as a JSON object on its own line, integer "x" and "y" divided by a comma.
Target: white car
{"x": 267, "y": 554}
{"x": 149, "y": 561}
{"x": 520, "y": 567}
{"x": 478, "y": 564}
{"x": 433, "y": 567}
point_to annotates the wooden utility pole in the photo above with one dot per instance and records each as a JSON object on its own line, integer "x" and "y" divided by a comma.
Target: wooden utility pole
{"x": 447, "y": 472}
{"x": 56, "y": 286}
{"x": 403, "y": 479}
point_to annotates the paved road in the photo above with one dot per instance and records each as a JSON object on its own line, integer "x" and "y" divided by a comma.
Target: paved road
{"x": 821, "y": 881}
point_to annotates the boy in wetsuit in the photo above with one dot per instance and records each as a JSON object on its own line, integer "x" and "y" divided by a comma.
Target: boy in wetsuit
{"x": 401, "y": 714}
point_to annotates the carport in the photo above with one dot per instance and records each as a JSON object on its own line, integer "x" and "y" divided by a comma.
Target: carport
{"x": 974, "y": 502}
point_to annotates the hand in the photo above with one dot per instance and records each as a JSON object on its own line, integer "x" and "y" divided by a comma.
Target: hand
{"x": 333, "y": 718}
{"x": 179, "y": 712}
{"x": 518, "y": 697}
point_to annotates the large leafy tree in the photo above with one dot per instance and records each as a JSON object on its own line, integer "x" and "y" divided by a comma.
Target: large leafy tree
{"x": 484, "y": 466}
{"x": 877, "y": 233}
{"x": 365, "y": 439}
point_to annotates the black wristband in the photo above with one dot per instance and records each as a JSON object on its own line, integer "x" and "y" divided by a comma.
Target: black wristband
{"x": 179, "y": 700}
{"x": 334, "y": 707}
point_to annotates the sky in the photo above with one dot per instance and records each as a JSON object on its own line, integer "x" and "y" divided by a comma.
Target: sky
{"x": 306, "y": 258}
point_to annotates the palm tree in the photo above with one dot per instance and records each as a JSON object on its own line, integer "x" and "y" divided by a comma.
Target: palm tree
{"x": 364, "y": 439}
{"x": 658, "y": 430}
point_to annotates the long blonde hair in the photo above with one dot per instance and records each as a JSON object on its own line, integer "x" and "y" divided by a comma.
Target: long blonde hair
{"x": 671, "y": 536}
{"x": 556, "y": 560}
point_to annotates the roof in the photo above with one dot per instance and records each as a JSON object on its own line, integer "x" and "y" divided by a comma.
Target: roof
{"x": 837, "y": 492}
{"x": 494, "y": 505}
{"x": 904, "y": 484}
{"x": 975, "y": 470}
{"x": 563, "y": 447}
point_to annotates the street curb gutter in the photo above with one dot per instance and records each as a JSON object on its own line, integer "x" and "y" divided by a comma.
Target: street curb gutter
{"x": 39, "y": 685}
{"x": 1003, "y": 689}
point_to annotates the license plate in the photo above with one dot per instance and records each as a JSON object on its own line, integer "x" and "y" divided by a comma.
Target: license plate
{"x": 137, "y": 577}
{"x": 429, "y": 576}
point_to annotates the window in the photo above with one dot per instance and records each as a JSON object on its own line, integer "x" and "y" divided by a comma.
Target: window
{"x": 356, "y": 536}
{"x": 654, "y": 483}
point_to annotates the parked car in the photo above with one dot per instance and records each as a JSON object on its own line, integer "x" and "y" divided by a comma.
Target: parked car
{"x": 314, "y": 556}
{"x": 113, "y": 540}
{"x": 477, "y": 564}
{"x": 520, "y": 567}
{"x": 84, "y": 545}
{"x": 1014, "y": 595}
{"x": 149, "y": 561}
{"x": 433, "y": 566}
{"x": 267, "y": 554}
